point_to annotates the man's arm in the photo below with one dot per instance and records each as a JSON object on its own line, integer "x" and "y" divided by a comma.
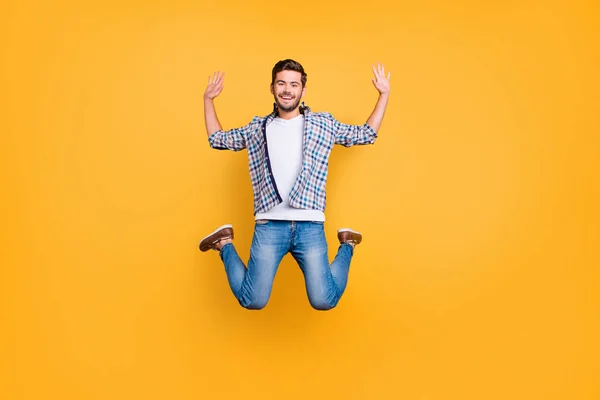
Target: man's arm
{"x": 382, "y": 84}
{"x": 350, "y": 135}
{"x": 214, "y": 88}
{"x": 234, "y": 139}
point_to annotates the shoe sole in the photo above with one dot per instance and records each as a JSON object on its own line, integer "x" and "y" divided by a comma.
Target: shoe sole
{"x": 348, "y": 230}
{"x": 207, "y": 241}
{"x": 351, "y": 231}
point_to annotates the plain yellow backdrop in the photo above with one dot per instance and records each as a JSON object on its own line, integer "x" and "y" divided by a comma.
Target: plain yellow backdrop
{"x": 479, "y": 203}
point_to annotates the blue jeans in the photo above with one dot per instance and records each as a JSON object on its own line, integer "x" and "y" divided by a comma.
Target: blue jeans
{"x": 272, "y": 240}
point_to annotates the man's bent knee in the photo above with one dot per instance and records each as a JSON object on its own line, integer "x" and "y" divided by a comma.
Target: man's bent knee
{"x": 322, "y": 304}
{"x": 254, "y": 304}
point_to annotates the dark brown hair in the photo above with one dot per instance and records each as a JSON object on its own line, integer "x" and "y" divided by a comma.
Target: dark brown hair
{"x": 288, "y": 65}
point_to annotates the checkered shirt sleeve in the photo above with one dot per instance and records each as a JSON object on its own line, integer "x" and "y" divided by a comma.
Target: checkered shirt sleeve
{"x": 234, "y": 139}
{"x": 350, "y": 135}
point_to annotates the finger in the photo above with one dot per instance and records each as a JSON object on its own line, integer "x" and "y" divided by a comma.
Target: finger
{"x": 220, "y": 82}
{"x": 383, "y": 69}
{"x": 374, "y": 70}
{"x": 379, "y": 68}
{"x": 389, "y": 74}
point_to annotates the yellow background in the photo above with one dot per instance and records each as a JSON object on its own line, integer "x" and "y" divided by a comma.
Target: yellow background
{"x": 479, "y": 203}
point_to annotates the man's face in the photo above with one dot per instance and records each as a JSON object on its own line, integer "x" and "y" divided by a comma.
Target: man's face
{"x": 287, "y": 90}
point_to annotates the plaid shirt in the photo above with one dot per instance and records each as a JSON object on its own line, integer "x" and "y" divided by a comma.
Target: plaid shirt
{"x": 321, "y": 132}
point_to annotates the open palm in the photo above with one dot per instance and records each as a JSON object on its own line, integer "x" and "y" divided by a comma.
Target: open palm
{"x": 215, "y": 85}
{"x": 381, "y": 82}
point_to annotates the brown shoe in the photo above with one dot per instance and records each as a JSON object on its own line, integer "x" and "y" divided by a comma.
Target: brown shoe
{"x": 349, "y": 236}
{"x": 210, "y": 241}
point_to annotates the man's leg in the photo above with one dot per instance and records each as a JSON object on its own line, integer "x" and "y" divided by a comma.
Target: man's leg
{"x": 325, "y": 283}
{"x": 252, "y": 286}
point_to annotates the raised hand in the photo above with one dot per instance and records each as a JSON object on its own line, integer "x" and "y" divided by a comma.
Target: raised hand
{"x": 215, "y": 85}
{"x": 381, "y": 82}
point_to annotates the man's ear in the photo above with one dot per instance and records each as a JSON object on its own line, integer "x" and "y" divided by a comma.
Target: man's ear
{"x": 303, "y": 91}
{"x": 272, "y": 89}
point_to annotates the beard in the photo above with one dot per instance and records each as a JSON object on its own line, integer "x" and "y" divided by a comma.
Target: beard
{"x": 289, "y": 108}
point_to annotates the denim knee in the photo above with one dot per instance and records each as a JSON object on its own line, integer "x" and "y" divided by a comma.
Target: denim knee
{"x": 253, "y": 304}
{"x": 322, "y": 304}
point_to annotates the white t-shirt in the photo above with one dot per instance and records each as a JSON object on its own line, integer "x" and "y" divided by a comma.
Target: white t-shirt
{"x": 285, "y": 145}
